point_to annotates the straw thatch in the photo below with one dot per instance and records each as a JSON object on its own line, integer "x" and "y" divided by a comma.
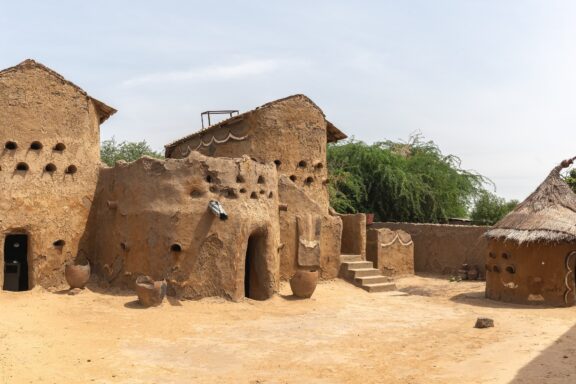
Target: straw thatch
{"x": 548, "y": 215}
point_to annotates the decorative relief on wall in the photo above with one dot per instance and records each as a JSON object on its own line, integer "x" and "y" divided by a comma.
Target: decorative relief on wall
{"x": 186, "y": 151}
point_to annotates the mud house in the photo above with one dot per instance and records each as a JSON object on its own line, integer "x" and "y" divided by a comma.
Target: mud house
{"x": 50, "y": 163}
{"x": 291, "y": 133}
{"x": 266, "y": 168}
{"x": 531, "y": 254}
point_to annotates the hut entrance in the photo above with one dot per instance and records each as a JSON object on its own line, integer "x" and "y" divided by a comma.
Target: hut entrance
{"x": 16, "y": 263}
{"x": 255, "y": 267}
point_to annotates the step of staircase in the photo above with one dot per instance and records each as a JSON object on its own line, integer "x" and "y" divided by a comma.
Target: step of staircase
{"x": 363, "y": 274}
{"x": 380, "y": 287}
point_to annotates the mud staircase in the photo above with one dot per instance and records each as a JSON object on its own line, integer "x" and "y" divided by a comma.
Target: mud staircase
{"x": 362, "y": 274}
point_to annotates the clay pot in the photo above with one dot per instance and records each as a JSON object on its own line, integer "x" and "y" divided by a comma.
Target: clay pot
{"x": 369, "y": 218}
{"x": 473, "y": 273}
{"x": 150, "y": 293}
{"x": 77, "y": 275}
{"x": 303, "y": 283}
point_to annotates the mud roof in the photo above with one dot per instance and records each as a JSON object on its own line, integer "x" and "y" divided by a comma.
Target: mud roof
{"x": 104, "y": 111}
{"x": 333, "y": 133}
{"x": 547, "y": 215}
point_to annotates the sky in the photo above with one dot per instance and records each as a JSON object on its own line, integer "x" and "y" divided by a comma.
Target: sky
{"x": 490, "y": 81}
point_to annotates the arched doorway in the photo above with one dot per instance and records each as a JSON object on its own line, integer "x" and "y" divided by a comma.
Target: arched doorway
{"x": 16, "y": 262}
{"x": 255, "y": 271}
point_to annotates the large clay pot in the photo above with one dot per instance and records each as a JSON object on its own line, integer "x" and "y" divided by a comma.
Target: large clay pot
{"x": 303, "y": 283}
{"x": 77, "y": 275}
{"x": 150, "y": 293}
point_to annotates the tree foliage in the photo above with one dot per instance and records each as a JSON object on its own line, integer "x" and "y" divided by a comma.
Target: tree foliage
{"x": 397, "y": 181}
{"x": 571, "y": 179}
{"x": 111, "y": 151}
{"x": 490, "y": 208}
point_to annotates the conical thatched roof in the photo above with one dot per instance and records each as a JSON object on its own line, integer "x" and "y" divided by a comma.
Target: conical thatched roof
{"x": 547, "y": 215}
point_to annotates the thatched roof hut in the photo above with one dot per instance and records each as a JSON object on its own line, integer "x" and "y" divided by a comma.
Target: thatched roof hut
{"x": 548, "y": 215}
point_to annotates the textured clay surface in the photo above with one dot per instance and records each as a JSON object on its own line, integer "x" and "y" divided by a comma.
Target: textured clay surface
{"x": 443, "y": 248}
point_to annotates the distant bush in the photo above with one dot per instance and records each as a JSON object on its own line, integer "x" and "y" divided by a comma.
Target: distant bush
{"x": 111, "y": 151}
{"x": 571, "y": 179}
{"x": 489, "y": 208}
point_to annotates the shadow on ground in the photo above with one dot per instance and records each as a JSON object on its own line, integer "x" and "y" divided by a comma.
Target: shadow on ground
{"x": 478, "y": 299}
{"x": 555, "y": 365}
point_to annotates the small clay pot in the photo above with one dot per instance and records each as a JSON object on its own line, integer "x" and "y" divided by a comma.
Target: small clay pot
{"x": 303, "y": 283}
{"x": 369, "y": 218}
{"x": 77, "y": 275}
{"x": 473, "y": 273}
{"x": 150, "y": 293}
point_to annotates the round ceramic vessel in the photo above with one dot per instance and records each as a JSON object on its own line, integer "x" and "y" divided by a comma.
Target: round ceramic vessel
{"x": 77, "y": 275}
{"x": 303, "y": 283}
{"x": 150, "y": 293}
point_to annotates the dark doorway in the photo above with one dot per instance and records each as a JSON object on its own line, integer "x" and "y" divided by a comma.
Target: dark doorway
{"x": 255, "y": 267}
{"x": 16, "y": 263}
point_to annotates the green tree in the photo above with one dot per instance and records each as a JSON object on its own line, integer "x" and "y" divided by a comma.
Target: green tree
{"x": 111, "y": 151}
{"x": 571, "y": 179}
{"x": 490, "y": 208}
{"x": 397, "y": 181}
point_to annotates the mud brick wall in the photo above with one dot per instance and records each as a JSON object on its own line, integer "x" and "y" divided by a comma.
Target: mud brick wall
{"x": 440, "y": 248}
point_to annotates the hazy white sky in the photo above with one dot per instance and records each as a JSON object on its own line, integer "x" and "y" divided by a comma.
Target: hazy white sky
{"x": 493, "y": 82}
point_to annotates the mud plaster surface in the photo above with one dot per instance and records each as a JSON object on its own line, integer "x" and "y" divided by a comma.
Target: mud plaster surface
{"x": 424, "y": 334}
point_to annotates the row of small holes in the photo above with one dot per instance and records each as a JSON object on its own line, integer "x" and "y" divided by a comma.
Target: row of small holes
{"x": 505, "y": 255}
{"x": 510, "y": 269}
{"x": 230, "y": 193}
{"x": 50, "y": 168}
{"x": 309, "y": 180}
{"x": 35, "y": 146}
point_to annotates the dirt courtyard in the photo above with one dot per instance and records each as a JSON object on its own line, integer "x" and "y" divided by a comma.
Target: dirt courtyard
{"x": 421, "y": 334}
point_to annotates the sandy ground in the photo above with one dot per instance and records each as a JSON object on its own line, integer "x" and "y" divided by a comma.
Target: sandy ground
{"x": 421, "y": 334}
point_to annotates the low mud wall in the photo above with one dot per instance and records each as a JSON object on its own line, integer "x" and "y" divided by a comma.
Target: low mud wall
{"x": 440, "y": 248}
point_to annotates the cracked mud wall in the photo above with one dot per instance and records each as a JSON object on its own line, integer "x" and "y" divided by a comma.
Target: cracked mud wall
{"x": 39, "y": 111}
{"x": 151, "y": 217}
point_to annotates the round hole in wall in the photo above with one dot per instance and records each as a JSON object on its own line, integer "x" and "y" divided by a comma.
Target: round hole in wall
{"x": 71, "y": 169}
{"x": 50, "y": 168}
{"x": 505, "y": 255}
{"x": 319, "y": 166}
{"x": 309, "y": 180}
{"x": 59, "y": 243}
{"x": 10, "y": 145}
{"x": 496, "y": 268}
{"x": 209, "y": 179}
{"x": 240, "y": 179}
{"x": 242, "y": 190}
{"x": 511, "y": 269}
{"x": 36, "y": 146}
{"x": 196, "y": 193}
{"x": 230, "y": 193}
{"x": 261, "y": 180}
{"x": 293, "y": 178}
{"x": 492, "y": 255}
{"x": 175, "y": 248}
{"x": 22, "y": 167}
{"x": 302, "y": 164}
{"x": 59, "y": 147}
{"x": 278, "y": 163}
{"x": 270, "y": 195}
{"x": 253, "y": 195}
